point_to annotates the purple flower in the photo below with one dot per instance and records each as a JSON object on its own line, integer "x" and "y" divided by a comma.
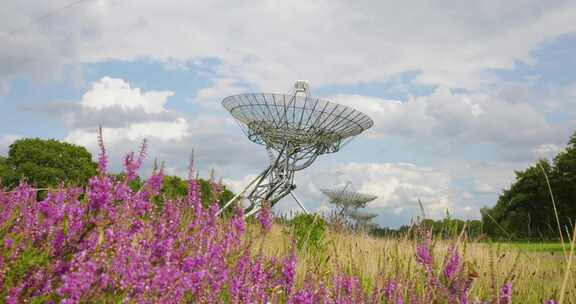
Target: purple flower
{"x": 79, "y": 282}
{"x": 100, "y": 192}
{"x": 8, "y": 242}
{"x": 131, "y": 165}
{"x": 265, "y": 217}
{"x": 58, "y": 241}
{"x": 155, "y": 181}
{"x": 13, "y": 294}
{"x": 302, "y": 297}
{"x": 423, "y": 255}
{"x": 289, "y": 272}
{"x": 452, "y": 263}
{"x": 122, "y": 192}
{"x": 506, "y": 293}
{"x": 390, "y": 290}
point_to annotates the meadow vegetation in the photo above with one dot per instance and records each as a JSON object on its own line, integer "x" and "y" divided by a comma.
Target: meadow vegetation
{"x": 121, "y": 239}
{"x": 536, "y": 270}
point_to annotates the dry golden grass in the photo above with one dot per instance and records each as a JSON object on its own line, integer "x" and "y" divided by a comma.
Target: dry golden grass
{"x": 537, "y": 275}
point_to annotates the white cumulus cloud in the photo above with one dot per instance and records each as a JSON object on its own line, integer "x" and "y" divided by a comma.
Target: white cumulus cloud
{"x": 269, "y": 44}
{"x": 171, "y": 135}
{"x": 467, "y": 117}
{"x": 111, "y": 92}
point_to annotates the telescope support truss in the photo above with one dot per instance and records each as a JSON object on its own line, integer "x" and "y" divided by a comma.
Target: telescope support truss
{"x": 273, "y": 184}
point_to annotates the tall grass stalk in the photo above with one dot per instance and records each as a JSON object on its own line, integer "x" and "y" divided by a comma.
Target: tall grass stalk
{"x": 555, "y": 210}
{"x": 568, "y": 267}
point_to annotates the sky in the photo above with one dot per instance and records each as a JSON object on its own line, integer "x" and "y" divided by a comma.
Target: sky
{"x": 462, "y": 93}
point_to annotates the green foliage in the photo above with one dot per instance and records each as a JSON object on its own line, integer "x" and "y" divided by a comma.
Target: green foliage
{"x": 174, "y": 187}
{"x": 308, "y": 231}
{"x": 447, "y": 228}
{"x": 450, "y": 228}
{"x": 5, "y": 172}
{"x": 530, "y": 247}
{"x": 41, "y": 299}
{"x": 45, "y": 163}
{"x": 525, "y": 210}
{"x": 31, "y": 258}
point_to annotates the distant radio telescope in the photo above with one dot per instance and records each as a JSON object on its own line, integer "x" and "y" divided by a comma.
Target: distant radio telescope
{"x": 362, "y": 218}
{"x": 296, "y": 129}
{"x": 347, "y": 199}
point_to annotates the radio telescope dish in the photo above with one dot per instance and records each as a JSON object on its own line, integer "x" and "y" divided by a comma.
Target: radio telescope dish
{"x": 362, "y": 218}
{"x": 347, "y": 198}
{"x": 296, "y": 129}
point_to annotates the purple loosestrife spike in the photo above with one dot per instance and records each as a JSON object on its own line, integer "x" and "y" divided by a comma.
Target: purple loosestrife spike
{"x": 77, "y": 283}
{"x": 239, "y": 285}
{"x": 423, "y": 255}
{"x": 265, "y": 217}
{"x": 390, "y": 291}
{"x": 194, "y": 193}
{"x": 424, "y": 258}
{"x": 122, "y": 192}
{"x": 100, "y": 192}
{"x": 102, "y": 157}
{"x": 350, "y": 284}
{"x": 13, "y": 295}
{"x": 58, "y": 242}
{"x": 8, "y": 242}
{"x": 238, "y": 220}
{"x": 155, "y": 181}
{"x": 289, "y": 272}
{"x": 506, "y": 293}
{"x": 302, "y": 297}
{"x": 347, "y": 288}
{"x": 452, "y": 263}
{"x": 322, "y": 295}
{"x": 131, "y": 165}
{"x": 235, "y": 231}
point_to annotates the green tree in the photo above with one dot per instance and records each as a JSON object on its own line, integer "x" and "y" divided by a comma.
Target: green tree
{"x": 174, "y": 187}
{"x": 525, "y": 210}
{"x": 564, "y": 184}
{"x": 45, "y": 163}
{"x": 5, "y": 171}
{"x": 451, "y": 228}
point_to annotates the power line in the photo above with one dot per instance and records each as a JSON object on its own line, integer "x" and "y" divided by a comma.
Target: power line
{"x": 45, "y": 16}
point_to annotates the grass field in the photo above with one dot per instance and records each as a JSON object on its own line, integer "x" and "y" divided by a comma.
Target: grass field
{"x": 536, "y": 269}
{"x": 533, "y": 247}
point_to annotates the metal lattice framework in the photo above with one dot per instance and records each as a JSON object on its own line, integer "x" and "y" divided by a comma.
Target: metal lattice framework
{"x": 296, "y": 129}
{"x": 347, "y": 198}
